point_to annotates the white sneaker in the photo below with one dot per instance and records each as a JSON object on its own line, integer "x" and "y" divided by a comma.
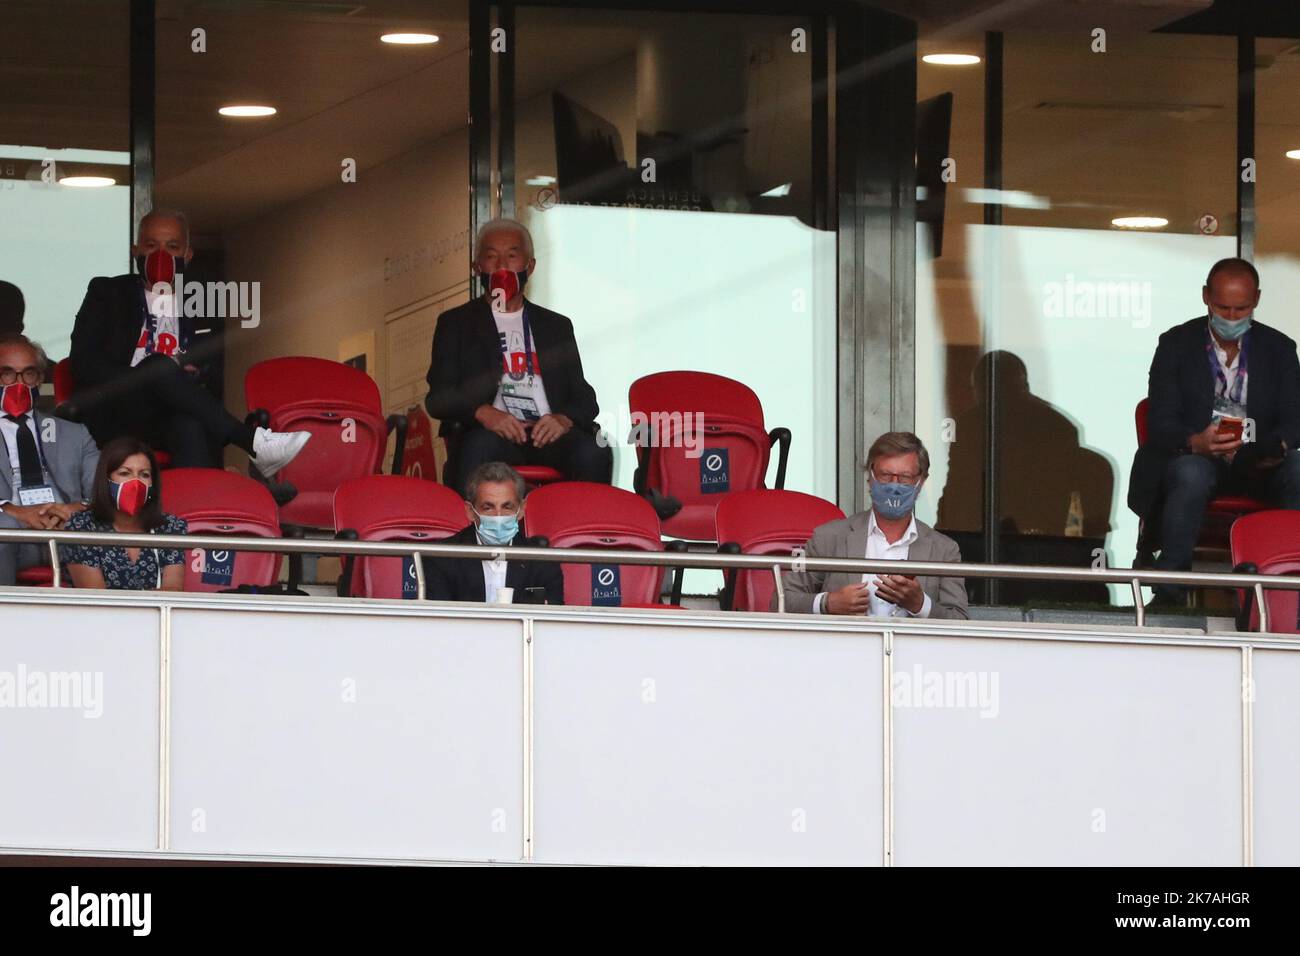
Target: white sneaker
{"x": 273, "y": 450}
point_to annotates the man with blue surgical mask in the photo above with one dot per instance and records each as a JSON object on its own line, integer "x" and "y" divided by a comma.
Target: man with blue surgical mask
{"x": 897, "y": 466}
{"x": 1223, "y": 414}
{"x": 494, "y": 505}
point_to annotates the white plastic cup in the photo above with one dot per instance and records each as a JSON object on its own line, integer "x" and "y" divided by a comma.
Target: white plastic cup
{"x": 505, "y": 596}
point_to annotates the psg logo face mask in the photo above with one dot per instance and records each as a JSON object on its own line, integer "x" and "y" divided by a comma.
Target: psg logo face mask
{"x": 159, "y": 267}
{"x": 16, "y": 399}
{"x": 130, "y": 496}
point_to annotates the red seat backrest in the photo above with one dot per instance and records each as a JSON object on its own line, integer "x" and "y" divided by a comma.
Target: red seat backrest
{"x": 582, "y": 514}
{"x": 1271, "y": 541}
{"x": 767, "y": 521}
{"x": 338, "y": 404}
{"x": 394, "y": 508}
{"x": 217, "y": 502}
{"x": 697, "y": 464}
{"x": 1140, "y": 420}
{"x": 64, "y": 384}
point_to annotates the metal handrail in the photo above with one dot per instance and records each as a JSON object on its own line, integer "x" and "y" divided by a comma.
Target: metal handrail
{"x": 766, "y": 562}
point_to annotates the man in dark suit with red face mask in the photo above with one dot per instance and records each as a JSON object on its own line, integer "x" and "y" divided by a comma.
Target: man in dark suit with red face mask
{"x": 129, "y": 361}
{"x": 505, "y": 378}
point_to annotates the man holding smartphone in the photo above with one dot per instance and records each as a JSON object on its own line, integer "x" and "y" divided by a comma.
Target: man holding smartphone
{"x": 1223, "y": 415}
{"x": 897, "y": 466}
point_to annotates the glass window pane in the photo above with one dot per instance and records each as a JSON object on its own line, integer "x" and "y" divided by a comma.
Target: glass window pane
{"x": 64, "y": 158}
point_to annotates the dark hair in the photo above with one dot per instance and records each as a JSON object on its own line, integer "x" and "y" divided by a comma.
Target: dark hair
{"x": 493, "y": 471}
{"x": 12, "y": 307}
{"x": 899, "y": 443}
{"x": 1232, "y": 265}
{"x": 111, "y": 457}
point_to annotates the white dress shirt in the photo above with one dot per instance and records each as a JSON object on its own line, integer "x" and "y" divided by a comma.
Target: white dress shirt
{"x": 494, "y": 574}
{"x": 879, "y": 549}
{"x": 1229, "y": 371}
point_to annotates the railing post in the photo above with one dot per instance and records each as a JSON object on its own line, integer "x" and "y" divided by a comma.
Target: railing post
{"x": 54, "y": 563}
{"x": 1263, "y": 608}
{"x": 1139, "y": 609}
{"x": 780, "y": 589}
{"x": 419, "y": 577}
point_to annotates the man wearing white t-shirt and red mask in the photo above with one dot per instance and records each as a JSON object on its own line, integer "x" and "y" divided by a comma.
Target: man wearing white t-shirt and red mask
{"x": 505, "y": 378}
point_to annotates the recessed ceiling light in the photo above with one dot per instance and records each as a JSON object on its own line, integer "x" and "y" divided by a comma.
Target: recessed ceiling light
{"x": 540, "y": 181}
{"x": 410, "y": 39}
{"x": 1140, "y": 222}
{"x": 951, "y": 59}
{"x": 87, "y": 182}
{"x": 247, "y": 110}
{"x": 1293, "y": 154}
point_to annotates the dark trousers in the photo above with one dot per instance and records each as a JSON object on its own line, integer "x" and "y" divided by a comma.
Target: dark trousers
{"x": 577, "y": 455}
{"x": 1190, "y": 481}
{"x": 160, "y": 403}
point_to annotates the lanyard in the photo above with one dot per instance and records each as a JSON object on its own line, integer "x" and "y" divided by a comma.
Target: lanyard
{"x": 1238, "y": 391}
{"x": 528, "y": 349}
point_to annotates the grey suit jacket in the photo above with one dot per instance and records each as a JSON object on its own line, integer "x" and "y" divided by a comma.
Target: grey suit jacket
{"x": 71, "y": 455}
{"x": 847, "y": 538}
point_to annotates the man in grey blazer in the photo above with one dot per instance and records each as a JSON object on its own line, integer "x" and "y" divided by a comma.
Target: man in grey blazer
{"x": 47, "y": 472}
{"x": 897, "y": 466}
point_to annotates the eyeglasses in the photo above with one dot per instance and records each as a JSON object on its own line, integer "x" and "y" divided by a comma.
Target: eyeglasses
{"x": 30, "y": 376}
{"x": 890, "y": 478}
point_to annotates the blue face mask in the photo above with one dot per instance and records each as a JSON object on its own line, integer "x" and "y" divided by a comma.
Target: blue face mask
{"x": 1227, "y": 329}
{"x": 497, "y": 529}
{"x": 893, "y": 499}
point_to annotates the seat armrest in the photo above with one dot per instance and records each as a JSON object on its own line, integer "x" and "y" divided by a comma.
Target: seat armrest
{"x": 783, "y": 436}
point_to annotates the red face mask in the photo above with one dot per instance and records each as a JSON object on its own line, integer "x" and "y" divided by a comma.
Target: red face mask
{"x": 17, "y": 399}
{"x": 130, "y": 495}
{"x": 508, "y": 282}
{"x": 160, "y": 267}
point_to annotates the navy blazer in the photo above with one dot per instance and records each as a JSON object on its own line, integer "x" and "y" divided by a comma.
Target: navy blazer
{"x": 1181, "y": 395}
{"x": 461, "y": 579}
{"x": 465, "y": 367}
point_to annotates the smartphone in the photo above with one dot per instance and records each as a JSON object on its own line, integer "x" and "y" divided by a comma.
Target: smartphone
{"x": 1230, "y": 428}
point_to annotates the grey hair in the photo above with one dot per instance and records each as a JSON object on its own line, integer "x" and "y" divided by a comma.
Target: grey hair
{"x": 165, "y": 213}
{"x": 493, "y": 471}
{"x": 502, "y": 225}
{"x": 899, "y": 443}
{"x": 17, "y": 338}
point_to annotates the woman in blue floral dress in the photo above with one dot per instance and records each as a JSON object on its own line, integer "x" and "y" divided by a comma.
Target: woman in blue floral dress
{"x": 127, "y": 500}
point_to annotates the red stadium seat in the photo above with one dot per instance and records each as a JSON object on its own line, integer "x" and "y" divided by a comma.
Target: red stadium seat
{"x": 392, "y": 508}
{"x": 64, "y": 384}
{"x": 1220, "y": 513}
{"x": 534, "y": 476}
{"x": 583, "y": 514}
{"x": 730, "y": 455}
{"x": 340, "y": 406}
{"x": 217, "y": 502}
{"x": 40, "y": 576}
{"x": 765, "y": 521}
{"x": 1268, "y": 542}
